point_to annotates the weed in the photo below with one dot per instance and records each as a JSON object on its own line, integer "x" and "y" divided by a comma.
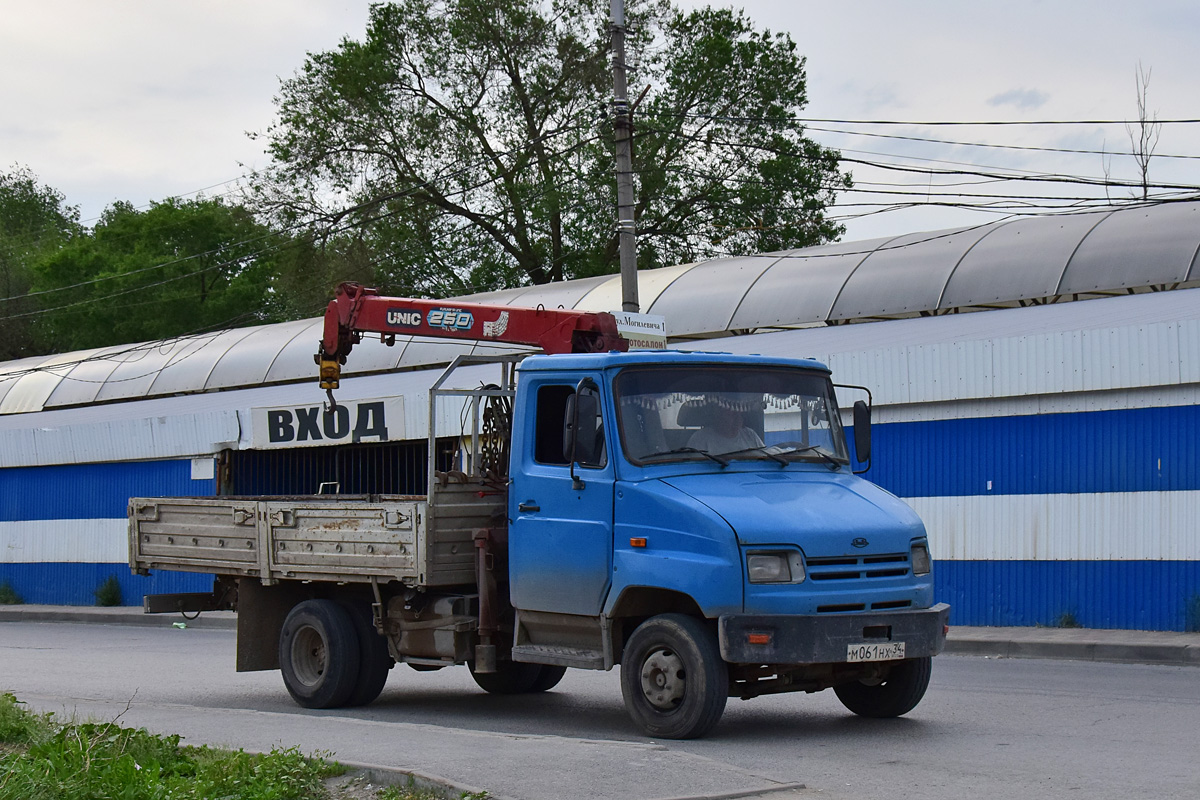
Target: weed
{"x": 9, "y": 595}
{"x": 21, "y": 727}
{"x": 108, "y": 593}
{"x": 1191, "y": 614}
{"x": 412, "y": 792}
{"x": 1067, "y": 620}
{"x": 41, "y": 759}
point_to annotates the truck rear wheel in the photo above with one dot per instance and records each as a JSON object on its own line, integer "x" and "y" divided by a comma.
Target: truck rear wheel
{"x": 897, "y": 694}
{"x": 319, "y": 654}
{"x": 374, "y": 660}
{"x": 673, "y": 679}
{"x": 548, "y": 678}
{"x": 518, "y": 677}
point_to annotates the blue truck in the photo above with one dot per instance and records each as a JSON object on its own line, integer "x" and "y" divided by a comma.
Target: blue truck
{"x": 691, "y": 517}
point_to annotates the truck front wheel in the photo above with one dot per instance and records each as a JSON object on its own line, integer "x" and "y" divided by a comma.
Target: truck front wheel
{"x": 672, "y": 677}
{"x": 319, "y": 654}
{"x": 897, "y": 694}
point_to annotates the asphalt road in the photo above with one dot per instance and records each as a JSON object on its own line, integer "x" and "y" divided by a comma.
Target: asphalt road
{"x": 994, "y": 728}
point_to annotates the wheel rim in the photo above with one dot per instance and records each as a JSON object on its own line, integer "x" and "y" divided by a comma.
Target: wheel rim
{"x": 663, "y": 679}
{"x": 309, "y": 655}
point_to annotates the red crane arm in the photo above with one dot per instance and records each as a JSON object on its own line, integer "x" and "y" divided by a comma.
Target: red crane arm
{"x": 356, "y": 310}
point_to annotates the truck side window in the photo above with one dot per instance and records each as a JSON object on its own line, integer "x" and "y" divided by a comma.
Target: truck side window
{"x": 548, "y": 437}
{"x": 551, "y": 408}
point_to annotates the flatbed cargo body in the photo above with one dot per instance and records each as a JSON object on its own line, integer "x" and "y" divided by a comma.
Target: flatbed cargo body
{"x": 345, "y": 539}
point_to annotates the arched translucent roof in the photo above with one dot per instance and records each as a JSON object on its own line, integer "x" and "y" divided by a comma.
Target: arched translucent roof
{"x": 1041, "y": 259}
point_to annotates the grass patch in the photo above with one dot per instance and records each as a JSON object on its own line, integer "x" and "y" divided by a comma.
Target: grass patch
{"x": 9, "y": 595}
{"x": 413, "y": 793}
{"x": 108, "y": 593}
{"x": 43, "y": 758}
{"x": 20, "y": 728}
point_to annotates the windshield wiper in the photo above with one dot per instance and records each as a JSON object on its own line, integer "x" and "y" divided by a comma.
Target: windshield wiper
{"x": 796, "y": 447}
{"x": 766, "y": 451}
{"x": 723, "y": 462}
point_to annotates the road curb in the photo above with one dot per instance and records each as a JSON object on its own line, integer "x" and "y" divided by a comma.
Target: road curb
{"x": 125, "y": 615}
{"x": 745, "y": 794}
{"x": 1168, "y": 654}
{"x": 401, "y": 776}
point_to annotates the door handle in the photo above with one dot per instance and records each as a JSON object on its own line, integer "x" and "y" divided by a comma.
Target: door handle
{"x": 530, "y": 507}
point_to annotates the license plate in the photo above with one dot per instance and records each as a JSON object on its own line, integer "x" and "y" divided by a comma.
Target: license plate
{"x": 885, "y": 651}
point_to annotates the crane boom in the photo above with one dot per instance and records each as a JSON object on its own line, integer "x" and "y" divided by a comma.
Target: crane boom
{"x": 356, "y": 310}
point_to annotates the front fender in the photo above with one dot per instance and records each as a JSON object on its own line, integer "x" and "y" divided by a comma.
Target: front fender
{"x": 688, "y": 549}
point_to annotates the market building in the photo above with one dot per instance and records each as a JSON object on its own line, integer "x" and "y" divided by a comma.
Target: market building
{"x": 1035, "y": 388}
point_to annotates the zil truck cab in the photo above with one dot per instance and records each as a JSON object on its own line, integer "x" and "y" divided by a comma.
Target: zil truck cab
{"x": 696, "y": 515}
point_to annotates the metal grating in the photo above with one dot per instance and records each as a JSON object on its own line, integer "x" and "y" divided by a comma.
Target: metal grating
{"x": 382, "y": 468}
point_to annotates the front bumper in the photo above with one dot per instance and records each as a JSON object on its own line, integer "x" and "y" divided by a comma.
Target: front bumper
{"x": 824, "y": 638}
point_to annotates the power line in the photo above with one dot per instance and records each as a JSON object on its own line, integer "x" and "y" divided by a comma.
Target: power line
{"x": 333, "y": 219}
{"x": 923, "y": 123}
{"x": 1033, "y": 148}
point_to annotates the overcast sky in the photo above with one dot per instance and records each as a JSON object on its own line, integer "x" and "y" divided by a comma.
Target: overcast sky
{"x": 139, "y": 100}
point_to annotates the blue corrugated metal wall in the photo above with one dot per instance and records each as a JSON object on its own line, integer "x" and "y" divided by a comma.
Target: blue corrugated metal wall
{"x": 70, "y": 584}
{"x": 1135, "y": 450}
{"x": 91, "y": 492}
{"x": 1138, "y": 595}
{"x": 1131, "y": 450}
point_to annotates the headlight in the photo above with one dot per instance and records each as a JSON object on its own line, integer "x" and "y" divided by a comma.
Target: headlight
{"x": 919, "y": 557}
{"x": 782, "y": 566}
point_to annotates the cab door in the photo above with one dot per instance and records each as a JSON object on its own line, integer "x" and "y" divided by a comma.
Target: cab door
{"x": 560, "y": 533}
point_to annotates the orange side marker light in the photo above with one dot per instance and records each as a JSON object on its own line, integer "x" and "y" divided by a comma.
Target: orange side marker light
{"x": 758, "y": 638}
{"x": 637, "y": 541}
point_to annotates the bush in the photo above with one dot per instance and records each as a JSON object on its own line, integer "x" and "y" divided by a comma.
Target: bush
{"x": 1191, "y": 620}
{"x": 1068, "y": 620}
{"x": 108, "y": 593}
{"x": 9, "y": 596}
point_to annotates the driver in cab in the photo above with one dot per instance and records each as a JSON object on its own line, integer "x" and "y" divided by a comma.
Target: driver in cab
{"x": 724, "y": 431}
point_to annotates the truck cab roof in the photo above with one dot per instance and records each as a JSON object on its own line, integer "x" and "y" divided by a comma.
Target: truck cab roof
{"x": 600, "y": 361}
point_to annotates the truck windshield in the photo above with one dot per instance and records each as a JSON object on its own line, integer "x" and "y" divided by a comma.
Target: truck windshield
{"x": 723, "y": 413}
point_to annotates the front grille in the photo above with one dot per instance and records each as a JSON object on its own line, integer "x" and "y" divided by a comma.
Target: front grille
{"x": 845, "y": 568}
{"x": 840, "y": 608}
{"x": 887, "y": 605}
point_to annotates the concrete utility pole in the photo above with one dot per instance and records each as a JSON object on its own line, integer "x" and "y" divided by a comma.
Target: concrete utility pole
{"x": 626, "y": 228}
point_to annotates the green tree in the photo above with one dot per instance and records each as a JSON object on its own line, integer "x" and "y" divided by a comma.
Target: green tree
{"x": 33, "y": 222}
{"x": 307, "y": 273}
{"x": 176, "y": 268}
{"x": 465, "y": 141}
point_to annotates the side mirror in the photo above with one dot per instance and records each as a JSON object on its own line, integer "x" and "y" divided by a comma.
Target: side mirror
{"x": 862, "y": 434}
{"x": 580, "y": 428}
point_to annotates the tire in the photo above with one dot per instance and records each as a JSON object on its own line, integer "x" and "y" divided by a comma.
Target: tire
{"x": 374, "y": 660}
{"x": 549, "y": 678}
{"x": 673, "y": 679}
{"x": 896, "y": 695}
{"x": 319, "y": 654}
{"x": 510, "y": 677}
